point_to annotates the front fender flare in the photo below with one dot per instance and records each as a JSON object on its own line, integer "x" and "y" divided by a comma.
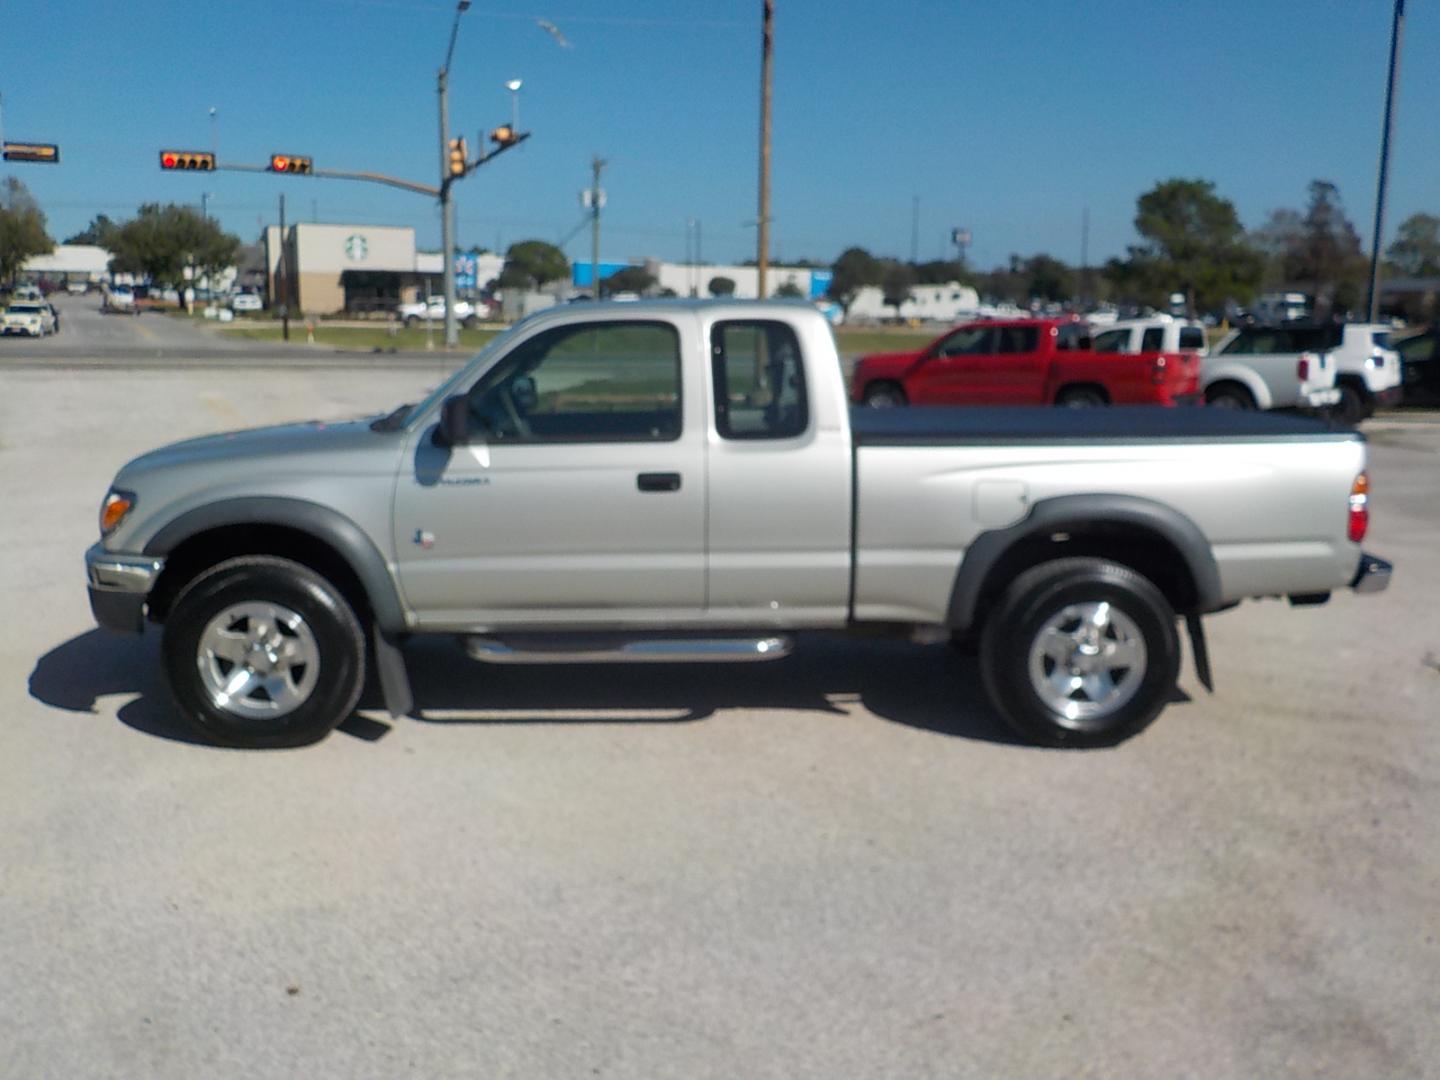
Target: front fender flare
{"x": 330, "y": 527}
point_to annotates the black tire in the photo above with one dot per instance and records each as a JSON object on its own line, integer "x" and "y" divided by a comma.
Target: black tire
{"x": 1080, "y": 397}
{"x": 1230, "y": 396}
{"x": 469, "y": 322}
{"x": 335, "y": 639}
{"x": 1354, "y": 404}
{"x": 884, "y": 395}
{"x": 411, "y": 321}
{"x": 1044, "y": 601}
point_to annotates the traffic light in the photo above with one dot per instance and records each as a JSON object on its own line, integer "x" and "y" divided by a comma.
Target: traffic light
{"x": 292, "y": 164}
{"x": 46, "y": 152}
{"x": 458, "y": 154}
{"x": 504, "y": 135}
{"x": 202, "y": 160}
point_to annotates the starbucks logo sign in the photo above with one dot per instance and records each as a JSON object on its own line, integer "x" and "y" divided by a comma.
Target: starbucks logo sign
{"x": 356, "y": 248}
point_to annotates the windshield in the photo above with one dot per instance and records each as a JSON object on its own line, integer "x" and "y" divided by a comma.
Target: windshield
{"x": 432, "y": 400}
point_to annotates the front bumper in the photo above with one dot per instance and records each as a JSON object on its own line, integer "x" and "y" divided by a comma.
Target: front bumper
{"x": 119, "y": 586}
{"x": 1372, "y": 575}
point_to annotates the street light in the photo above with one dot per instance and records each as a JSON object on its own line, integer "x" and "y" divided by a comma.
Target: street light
{"x": 447, "y": 213}
{"x": 513, "y": 85}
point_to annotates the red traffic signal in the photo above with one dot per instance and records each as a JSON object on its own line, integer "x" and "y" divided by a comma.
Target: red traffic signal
{"x": 291, "y": 163}
{"x": 202, "y": 160}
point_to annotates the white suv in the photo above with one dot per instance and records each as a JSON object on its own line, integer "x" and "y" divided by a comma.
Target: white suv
{"x": 1160, "y": 333}
{"x": 1368, "y": 371}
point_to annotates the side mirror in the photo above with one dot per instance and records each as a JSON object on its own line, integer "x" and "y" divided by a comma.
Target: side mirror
{"x": 454, "y": 426}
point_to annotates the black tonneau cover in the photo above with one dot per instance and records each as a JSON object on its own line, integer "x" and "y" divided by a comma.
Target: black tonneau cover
{"x": 931, "y": 425}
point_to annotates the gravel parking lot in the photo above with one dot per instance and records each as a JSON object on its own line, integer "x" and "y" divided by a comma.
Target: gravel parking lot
{"x": 838, "y": 865}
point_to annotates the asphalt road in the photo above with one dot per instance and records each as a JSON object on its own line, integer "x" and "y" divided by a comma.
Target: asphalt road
{"x": 837, "y": 865}
{"x": 152, "y": 339}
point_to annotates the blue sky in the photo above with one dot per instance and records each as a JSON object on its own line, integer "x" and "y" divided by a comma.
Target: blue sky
{"x": 1005, "y": 116}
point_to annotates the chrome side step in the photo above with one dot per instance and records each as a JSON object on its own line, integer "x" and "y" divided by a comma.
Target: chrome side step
{"x": 615, "y": 648}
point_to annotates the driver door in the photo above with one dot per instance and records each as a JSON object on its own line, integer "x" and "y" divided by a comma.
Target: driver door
{"x": 959, "y": 371}
{"x": 580, "y": 497}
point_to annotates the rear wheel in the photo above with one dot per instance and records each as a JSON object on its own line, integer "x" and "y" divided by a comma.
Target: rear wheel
{"x": 884, "y": 395}
{"x": 1354, "y": 404}
{"x": 411, "y": 321}
{"x": 1229, "y": 396}
{"x": 1080, "y": 397}
{"x": 263, "y": 652}
{"x": 1080, "y": 652}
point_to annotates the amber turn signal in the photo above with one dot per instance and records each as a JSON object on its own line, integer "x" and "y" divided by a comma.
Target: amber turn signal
{"x": 117, "y": 505}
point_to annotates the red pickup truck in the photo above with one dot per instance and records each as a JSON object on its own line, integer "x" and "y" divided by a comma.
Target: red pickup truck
{"x": 1023, "y": 362}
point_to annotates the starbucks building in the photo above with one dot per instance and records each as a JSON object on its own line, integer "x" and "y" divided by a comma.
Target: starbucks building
{"x": 325, "y": 269}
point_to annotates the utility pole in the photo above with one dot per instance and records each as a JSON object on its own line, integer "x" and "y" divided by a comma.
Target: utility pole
{"x": 284, "y": 275}
{"x": 767, "y": 44}
{"x": 596, "y": 196}
{"x": 447, "y": 211}
{"x": 1085, "y": 255}
{"x": 1397, "y": 30}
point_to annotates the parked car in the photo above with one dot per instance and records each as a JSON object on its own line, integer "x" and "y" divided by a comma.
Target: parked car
{"x": 433, "y": 308}
{"x": 1367, "y": 369}
{"x": 77, "y": 288}
{"x": 1420, "y": 364}
{"x": 246, "y": 301}
{"x": 1022, "y": 362}
{"x": 1268, "y": 367}
{"x": 28, "y": 318}
{"x": 682, "y": 481}
{"x": 1159, "y": 333}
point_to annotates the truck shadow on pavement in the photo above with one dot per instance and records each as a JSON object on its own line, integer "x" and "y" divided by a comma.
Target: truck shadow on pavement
{"x": 930, "y": 688}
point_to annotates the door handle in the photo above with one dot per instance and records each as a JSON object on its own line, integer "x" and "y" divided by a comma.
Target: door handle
{"x": 658, "y": 481}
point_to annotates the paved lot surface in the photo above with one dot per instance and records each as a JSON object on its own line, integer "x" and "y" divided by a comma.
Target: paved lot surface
{"x": 833, "y": 866}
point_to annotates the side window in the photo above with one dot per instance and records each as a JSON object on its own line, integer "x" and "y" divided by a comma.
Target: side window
{"x": 1153, "y": 340}
{"x": 1192, "y": 337}
{"x": 1073, "y": 335}
{"x": 1112, "y": 341}
{"x": 591, "y": 382}
{"x": 1018, "y": 339}
{"x": 759, "y": 380}
{"x": 968, "y": 341}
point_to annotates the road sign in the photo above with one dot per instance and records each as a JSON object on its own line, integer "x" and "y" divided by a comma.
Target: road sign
{"x": 24, "y": 151}
{"x": 960, "y": 237}
{"x": 587, "y": 198}
{"x": 465, "y": 271}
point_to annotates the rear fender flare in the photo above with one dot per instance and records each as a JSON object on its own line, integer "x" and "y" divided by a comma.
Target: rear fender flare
{"x": 1067, "y": 513}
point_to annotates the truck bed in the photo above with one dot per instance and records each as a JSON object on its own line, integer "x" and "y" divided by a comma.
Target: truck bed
{"x": 928, "y": 425}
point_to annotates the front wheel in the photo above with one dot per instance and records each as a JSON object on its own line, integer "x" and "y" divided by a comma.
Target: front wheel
{"x": 1080, "y": 652}
{"x": 263, "y": 652}
{"x": 884, "y": 395}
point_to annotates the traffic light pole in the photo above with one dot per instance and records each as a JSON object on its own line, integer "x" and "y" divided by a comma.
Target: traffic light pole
{"x": 447, "y": 211}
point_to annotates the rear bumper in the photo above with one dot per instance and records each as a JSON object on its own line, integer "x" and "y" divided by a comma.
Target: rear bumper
{"x": 119, "y": 586}
{"x": 1372, "y": 575}
{"x": 1319, "y": 399}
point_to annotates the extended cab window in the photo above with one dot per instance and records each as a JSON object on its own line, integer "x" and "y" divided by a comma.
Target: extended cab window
{"x": 1153, "y": 340}
{"x": 968, "y": 341}
{"x": 592, "y": 382}
{"x": 1112, "y": 341}
{"x": 759, "y": 380}
{"x": 1018, "y": 339}
{"x": 1192, "y": 337}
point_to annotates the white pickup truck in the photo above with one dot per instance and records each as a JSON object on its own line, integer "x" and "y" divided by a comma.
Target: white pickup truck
{"x": 684, "y": 481}
{"x": 433, "y": 309}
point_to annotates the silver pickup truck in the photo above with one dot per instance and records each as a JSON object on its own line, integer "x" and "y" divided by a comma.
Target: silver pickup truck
{"x": 684, "y": 481}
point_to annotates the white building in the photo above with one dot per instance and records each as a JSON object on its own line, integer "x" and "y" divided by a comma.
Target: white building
{"x": 69, "y": 262}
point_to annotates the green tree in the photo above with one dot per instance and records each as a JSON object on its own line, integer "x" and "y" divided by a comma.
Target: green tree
{"x": 1416, "y": 250}
{"x": 22, "y": 229}
{"x": 1192, "y": 242}
{"x": 942, "y": 272}
{"x": 1047, "y": 278}
{"x": 634, "y": 279}
{"x": 162, "y": 243}
{"x": 530, "y": 264}
{"x": 1325, "y": 254}
{"x": 98, "y": 232}
{"x": 721, "y": 286}
{"x": 853, "y": 270}
{"x": 897, "y": 279}
{"x": 790, "y": 291}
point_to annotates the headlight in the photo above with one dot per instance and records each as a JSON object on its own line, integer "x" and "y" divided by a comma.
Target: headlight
{"x": 113, "y": 510}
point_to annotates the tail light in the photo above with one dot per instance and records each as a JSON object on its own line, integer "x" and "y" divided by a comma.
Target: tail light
{"x": 1359, "y": 508}
{"x": 1157, "y": 369}
{"x": 1302, "y": 369}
